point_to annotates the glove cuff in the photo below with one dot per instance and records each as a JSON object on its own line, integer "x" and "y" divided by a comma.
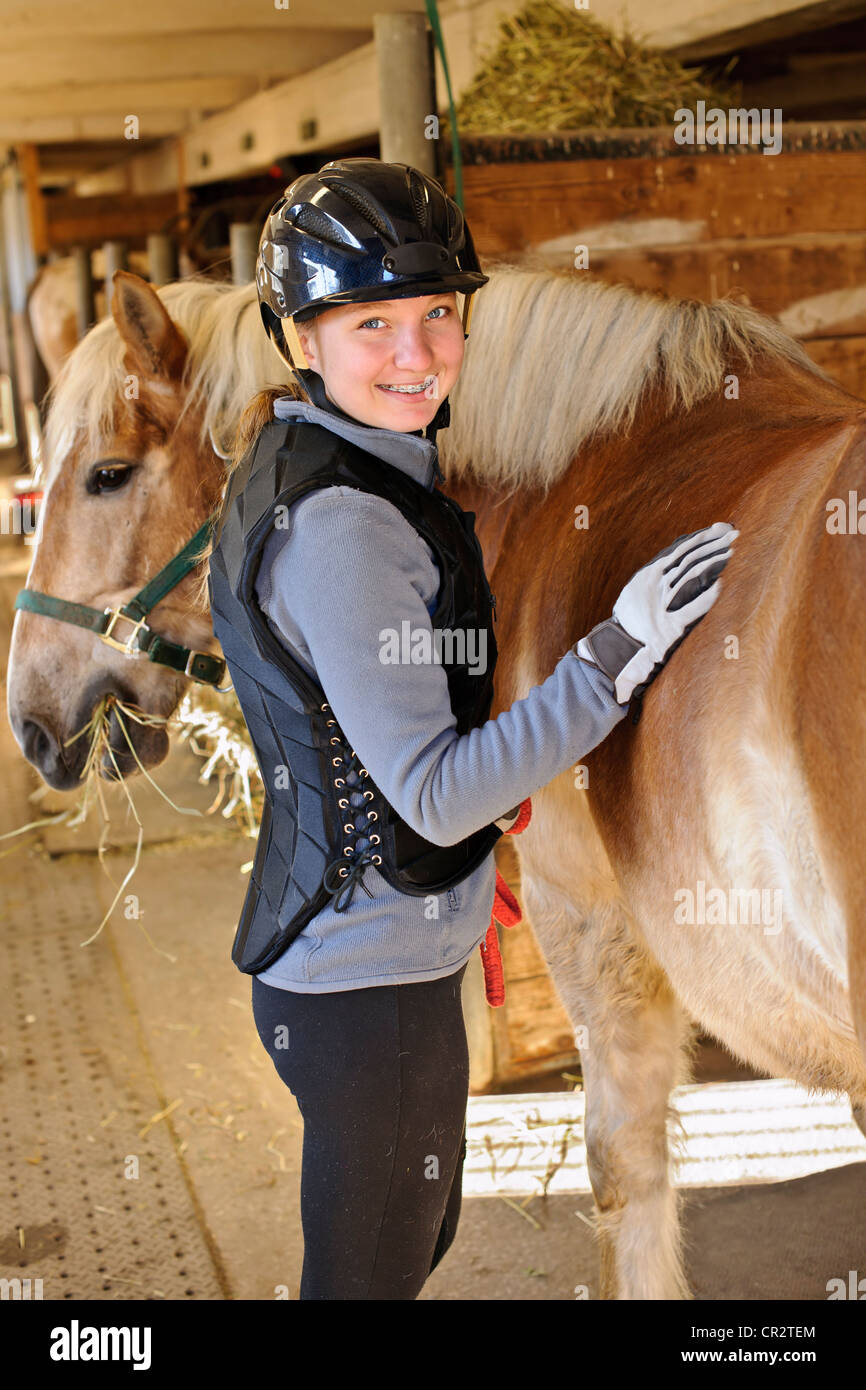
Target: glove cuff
{"x": 609, "y": 647}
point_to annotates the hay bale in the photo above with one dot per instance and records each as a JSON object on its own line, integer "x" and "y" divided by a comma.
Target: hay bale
{"x": 555, "y": 68}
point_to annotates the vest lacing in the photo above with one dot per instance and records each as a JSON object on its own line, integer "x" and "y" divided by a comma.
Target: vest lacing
{"x": 340, "y": 878}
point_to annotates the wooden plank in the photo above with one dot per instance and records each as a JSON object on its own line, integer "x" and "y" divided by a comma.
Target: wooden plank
{"x": 773, "y": 275}
{"x": 843, "y": 358}
{"x": 48, "y": 130}
{"x": 539, "y": 1033}
{"x": 532, "y": 1032}
{"x": 656, "y": 142}
{"x": 480, "y": 1027}
{"x": 90, "y": 221}
{"x": 814, "y": 90}
{"x": 274, "y": 53}
{"x": 167, "y": 17}
{"x": 73, "y": 99}
{"x": 514, "y": 207}
{"x": 150, "y": 174}
{"x": 711, "y": 28}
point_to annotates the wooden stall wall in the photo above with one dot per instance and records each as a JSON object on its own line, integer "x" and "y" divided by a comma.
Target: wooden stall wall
{"x": 787, "y": 232}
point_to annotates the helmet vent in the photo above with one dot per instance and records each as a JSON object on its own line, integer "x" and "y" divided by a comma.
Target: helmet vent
{"x": 455, "y": 221}
{"x": 358, "y": 200}
{"x": 311, "y": 220}
{"x": 419, "y": 202}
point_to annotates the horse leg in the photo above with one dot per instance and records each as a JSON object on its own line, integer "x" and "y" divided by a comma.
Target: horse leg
{"x": 635, "y": 1044}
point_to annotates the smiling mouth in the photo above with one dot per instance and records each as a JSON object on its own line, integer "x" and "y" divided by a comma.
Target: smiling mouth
{"x": 413, "y": 388}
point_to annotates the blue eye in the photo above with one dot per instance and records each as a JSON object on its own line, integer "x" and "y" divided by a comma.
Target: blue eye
{"x": 445, "y": 308}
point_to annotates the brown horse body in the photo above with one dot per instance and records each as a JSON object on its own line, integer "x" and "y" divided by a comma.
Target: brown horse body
{"x": 745, "y": 772}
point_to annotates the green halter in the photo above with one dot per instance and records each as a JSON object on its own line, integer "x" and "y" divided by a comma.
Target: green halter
{"x": 142, "y": 640}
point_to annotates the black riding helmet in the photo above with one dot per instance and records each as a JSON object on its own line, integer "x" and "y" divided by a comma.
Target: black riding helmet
{"x": 358, "y": 230}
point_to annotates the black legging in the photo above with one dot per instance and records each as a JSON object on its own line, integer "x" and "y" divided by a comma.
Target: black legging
{"x": 381, "y": 1076}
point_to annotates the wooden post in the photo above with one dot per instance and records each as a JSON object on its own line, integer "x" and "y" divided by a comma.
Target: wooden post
{"x": 10, "y": 404}
{"x": 478, "y": 1017}
{"x": 85, "y": 308}
{"x": 244, "y": 242}
{"x": 405, "y": 83}
{"x": 161, "y": 258}
{"x": 28, "y": 163}
{"x": 115, "y": 259}
{"x": 182, "y": 189}
{"x": 19, "y": 272}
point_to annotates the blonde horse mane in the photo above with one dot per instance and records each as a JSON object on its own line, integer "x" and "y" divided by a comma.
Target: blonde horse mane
{"x": 573, "y": 359}
{"x": 553, "y": 359}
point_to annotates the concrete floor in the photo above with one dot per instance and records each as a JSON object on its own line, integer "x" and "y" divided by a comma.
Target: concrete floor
{"x": 148, "y": 1149}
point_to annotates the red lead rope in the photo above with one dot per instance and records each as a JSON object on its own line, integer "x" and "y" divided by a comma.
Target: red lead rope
{"x": 506, "y": 910}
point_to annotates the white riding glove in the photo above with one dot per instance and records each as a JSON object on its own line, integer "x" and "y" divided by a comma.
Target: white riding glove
{"x": 657, "y": 608}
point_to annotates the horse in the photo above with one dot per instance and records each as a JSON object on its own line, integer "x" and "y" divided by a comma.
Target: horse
{"x": 591, "y": 425}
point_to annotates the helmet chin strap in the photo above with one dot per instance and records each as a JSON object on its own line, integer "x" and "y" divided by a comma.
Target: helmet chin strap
{"x": 298, "y": 360}
{"x": 441, "y": 420}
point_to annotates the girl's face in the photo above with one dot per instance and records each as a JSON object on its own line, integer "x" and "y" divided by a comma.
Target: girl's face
{"x": 359, "y": 350}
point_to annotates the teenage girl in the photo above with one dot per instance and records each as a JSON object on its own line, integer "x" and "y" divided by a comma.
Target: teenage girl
{"x": 356, "y": 994}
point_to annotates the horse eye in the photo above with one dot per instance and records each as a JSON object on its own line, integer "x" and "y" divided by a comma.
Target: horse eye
{"x": 109, "y": 477}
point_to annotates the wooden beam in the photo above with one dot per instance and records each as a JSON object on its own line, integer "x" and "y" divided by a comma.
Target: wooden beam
{"x": 60, "y": 129}
{"x": 835, "y": 85}
{"x": 168, "y": 17}
{"x": 262, "y": 53}
{"x": 64, "y": 164}
{"x": 154, "y": 171}
{"x": 124, "y": 98}
{"x": 711, "y": 27}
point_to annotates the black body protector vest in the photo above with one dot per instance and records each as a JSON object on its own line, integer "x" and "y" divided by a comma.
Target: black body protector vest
{"x": 306, "y": 851}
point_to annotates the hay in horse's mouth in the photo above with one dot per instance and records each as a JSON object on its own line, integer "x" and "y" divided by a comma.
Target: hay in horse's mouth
{"x": 228, "y": 756}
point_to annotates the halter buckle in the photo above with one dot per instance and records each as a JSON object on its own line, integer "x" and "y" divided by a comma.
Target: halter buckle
{"x": 126, "y": 647}
{"x": 189, "y": 668}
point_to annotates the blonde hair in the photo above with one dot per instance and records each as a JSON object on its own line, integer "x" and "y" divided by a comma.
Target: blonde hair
{"x": 259, "y": 412}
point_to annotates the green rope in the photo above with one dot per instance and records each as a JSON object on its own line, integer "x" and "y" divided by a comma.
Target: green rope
{"x": 433, "y": 16}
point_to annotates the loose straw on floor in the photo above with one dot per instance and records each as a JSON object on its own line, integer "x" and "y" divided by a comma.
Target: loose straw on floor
{"x": 97, "y": 729}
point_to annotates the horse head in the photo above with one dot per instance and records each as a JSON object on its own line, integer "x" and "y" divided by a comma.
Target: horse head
{"x": 130, "y": 477}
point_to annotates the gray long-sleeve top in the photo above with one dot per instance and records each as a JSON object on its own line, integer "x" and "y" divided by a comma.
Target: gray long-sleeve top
{"x": 348, "y": 569}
